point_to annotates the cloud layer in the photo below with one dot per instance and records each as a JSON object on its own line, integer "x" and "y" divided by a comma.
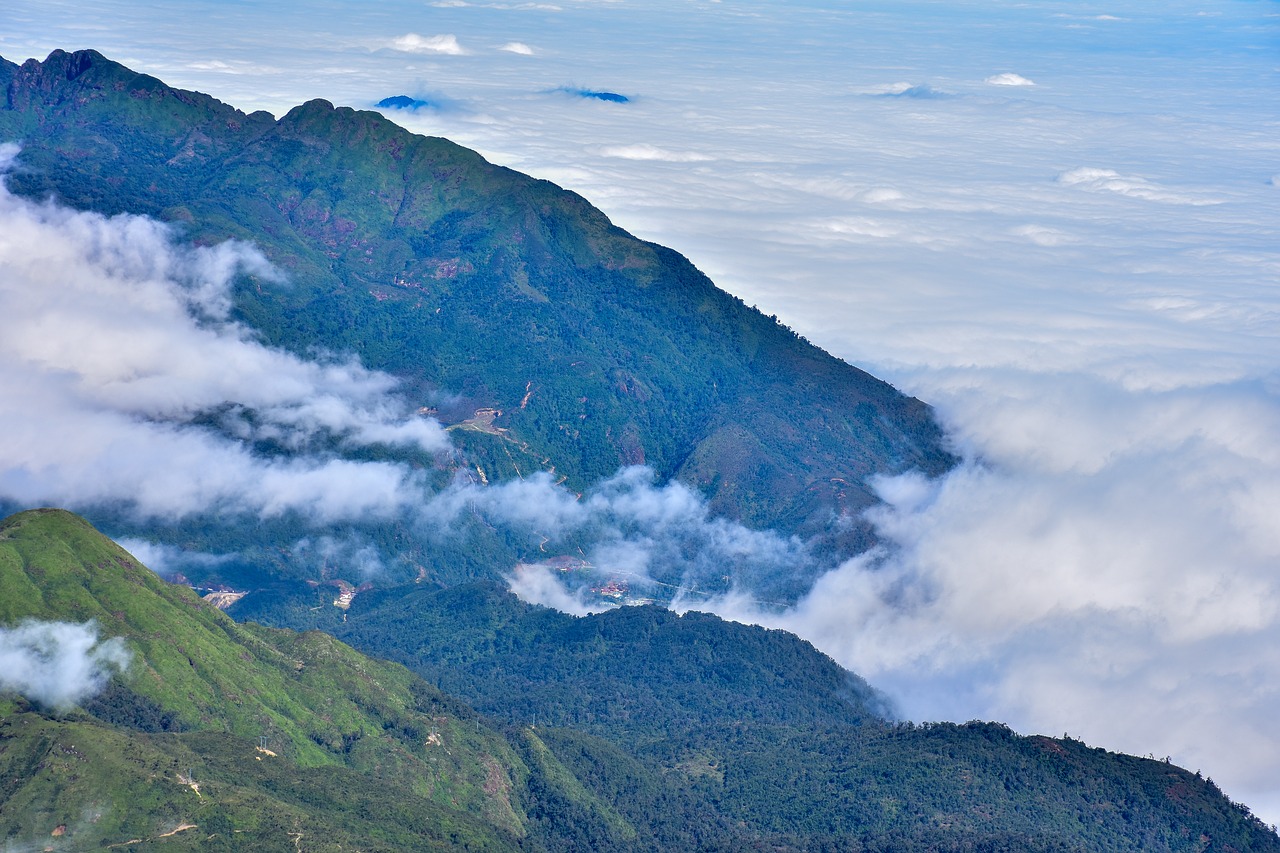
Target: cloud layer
{"x": 446, "y": 44}
{"x": 58, "y": 664}
{"x": 651, "y": 539}
{"x": 124, "y": 381}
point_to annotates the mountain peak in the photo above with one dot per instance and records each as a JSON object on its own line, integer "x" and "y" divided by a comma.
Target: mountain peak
{"x": 598, "y": 350}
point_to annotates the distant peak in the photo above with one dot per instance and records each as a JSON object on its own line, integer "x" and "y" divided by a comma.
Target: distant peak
{"x": 595, "y": 94}
{"x": 72, "y": 65}
{"x": 402, "y": 102}
{"x": 43, "y": 517}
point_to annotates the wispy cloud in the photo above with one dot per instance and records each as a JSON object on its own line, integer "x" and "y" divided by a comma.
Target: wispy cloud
{"x": 1009, "y": 79}
{"x": 651, "y": 536}
{"x": 169, "y": 560}
{"x": 442, "y": 44}
{"x": 644, "y": 151}
{"x": 1108, "y": 180}
{"x": 121, "y": 362}
{"x": 58, "y": 664}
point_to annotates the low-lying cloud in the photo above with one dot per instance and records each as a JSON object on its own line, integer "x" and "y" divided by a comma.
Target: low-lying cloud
{"x": 644, "y": 151}
{"x": 1108, "y": 549}
{"x": 1109, "y": 180}
{"x": 1008, "y": 79}
{"x": 656, "y": 539}
{"x": 446, "y": 44}
{"x": 58, "y": 664}
{"x": 168, "y": 561}
{"x": 124, "y": 380}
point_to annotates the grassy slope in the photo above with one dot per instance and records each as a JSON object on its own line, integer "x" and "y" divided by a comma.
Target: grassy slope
{"x": 763, "y": 743}
{"x": 319, "y": 703}
{"x": 107, "y": 786}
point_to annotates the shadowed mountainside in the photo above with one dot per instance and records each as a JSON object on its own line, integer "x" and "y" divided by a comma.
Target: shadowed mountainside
{"x": 481, "y": 285}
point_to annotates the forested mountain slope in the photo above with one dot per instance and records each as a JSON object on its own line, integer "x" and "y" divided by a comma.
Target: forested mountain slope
{"x": 219, "y": 735}
{"x": 202, "y": 690}
{"x": 495, "y": 289}
{"x": 774, "y": 735}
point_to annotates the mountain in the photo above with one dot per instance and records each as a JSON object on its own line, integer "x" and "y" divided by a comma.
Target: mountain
{"x": 772, "y": 732}
{"x": 550, "y": 340}
{"x": 635, "y": 674}
{"x": 653, "y": 732}
{"x": 501, "y": 301}
{"x": 250, "y": 712}
{"x": 780, "y": 738}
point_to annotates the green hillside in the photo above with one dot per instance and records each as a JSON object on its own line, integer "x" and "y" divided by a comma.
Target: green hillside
{"x": 635, "y": 730}
{"x": 671, "y": 715}
{"x": 495, "y": 289}
{"x": 636, "y": 674}
{"x": 206, "y": 690}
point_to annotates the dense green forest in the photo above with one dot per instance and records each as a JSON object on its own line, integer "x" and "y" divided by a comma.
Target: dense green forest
{"x": 636, "y": 729}
{"x": 482, "y": 290}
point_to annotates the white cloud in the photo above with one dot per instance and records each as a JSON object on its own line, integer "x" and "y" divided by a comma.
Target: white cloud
{"x": 628, "y": 527}
{"x": 518, "y": 7}
{"x": 58, "y": 664}
{"x": 1042, "y": 236}
{"x": 1112, "y": 548}
{"x": 236, "y": 67}
{"x": 881, "y": 195}
{"x": 413, "y": 43}
{"x": 1009, "y": 79}
{"x": 167, "y": 560}
{"x": 643, "y": 151}
{"x": 350, "y": 558}
{"x": 538, "y": 585}
{"x": 1108, "y": 180}
{"x": 517, "y": 47}
{"x": 119, "y": 346}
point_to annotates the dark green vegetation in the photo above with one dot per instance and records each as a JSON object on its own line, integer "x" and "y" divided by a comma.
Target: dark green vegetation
{"x": 751, "y": 741}
{"x": 483, "y": 289}
{"x": 778, "y": 737}
{"x": 636, "y": 674}
{"x": 402, "y": 102}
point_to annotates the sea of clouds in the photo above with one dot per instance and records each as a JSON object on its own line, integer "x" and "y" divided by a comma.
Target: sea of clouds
{"x": 1053, "y": 221}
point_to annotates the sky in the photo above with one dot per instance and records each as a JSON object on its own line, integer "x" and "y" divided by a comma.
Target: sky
{"x": 1056, "y": 222}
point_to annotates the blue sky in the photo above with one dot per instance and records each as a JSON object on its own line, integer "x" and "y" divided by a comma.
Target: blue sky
{"x": 1054, "y": 221}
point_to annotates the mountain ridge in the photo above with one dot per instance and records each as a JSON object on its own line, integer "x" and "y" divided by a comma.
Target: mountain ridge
{"x": 312, "y": 699}
{"x": 594, "y": 349}
{"x": 403, "y": 766}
